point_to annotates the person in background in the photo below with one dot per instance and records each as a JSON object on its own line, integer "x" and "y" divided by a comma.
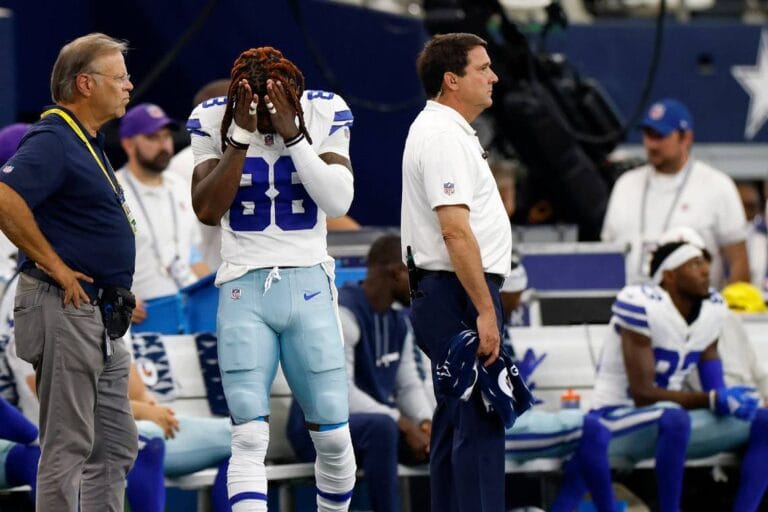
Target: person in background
{"x": 167, "y": 254}
{"x": 183, "y": 164}
{"x": 674, "y": 189}
{"x": 61, "y": 205}
{"x": 641, "y": 409}
{"x": 757, "y": 233}
{"x": 504, "y": 174}
{"x": 512, "y": 294}
{"x": 19, "y": 454}
{"x": 741, "y": 364}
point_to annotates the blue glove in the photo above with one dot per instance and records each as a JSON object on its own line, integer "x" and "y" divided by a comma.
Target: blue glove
{"x": 528, "y": 364}
{"x": 740, "y": 401}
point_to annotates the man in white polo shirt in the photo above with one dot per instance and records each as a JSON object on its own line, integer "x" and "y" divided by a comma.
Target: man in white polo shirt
{"x": 674, "y": 190}
{"x": 459, "y": 248}
{"x": 167, "y": 235}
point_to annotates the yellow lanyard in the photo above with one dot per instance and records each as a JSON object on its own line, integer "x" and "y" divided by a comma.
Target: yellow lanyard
{"x": 75, "y": 128}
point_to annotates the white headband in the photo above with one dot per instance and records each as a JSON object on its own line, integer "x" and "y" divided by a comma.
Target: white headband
{"x": 679, "y": 256}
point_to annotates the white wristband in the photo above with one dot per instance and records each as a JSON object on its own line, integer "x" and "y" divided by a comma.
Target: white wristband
{"x": 241, "y": 135}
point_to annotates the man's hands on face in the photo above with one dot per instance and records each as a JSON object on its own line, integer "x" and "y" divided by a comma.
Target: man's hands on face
{"x": 284, "y": 118}
{"x": 243, "y": 116}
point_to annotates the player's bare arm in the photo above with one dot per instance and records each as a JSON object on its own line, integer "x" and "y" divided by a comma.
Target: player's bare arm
{"x": 215, "y": 182}
{"x": 465, "y": 256}
{"x": 641, "y": 374}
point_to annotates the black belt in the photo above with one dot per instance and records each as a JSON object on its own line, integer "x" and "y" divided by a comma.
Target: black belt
{"x": 89, "y": 288}
{"x": 496, "y": 279}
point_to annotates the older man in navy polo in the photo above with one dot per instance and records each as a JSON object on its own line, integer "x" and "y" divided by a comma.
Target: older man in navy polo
{"x": 60, "y": 203}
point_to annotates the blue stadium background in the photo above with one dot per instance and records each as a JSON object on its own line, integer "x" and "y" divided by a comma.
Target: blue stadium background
{"x": 371, "y": 58}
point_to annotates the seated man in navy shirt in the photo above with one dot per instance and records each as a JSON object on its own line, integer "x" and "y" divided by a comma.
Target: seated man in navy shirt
{"x": 390, "y": 413}
{"x": 61, "y": 205}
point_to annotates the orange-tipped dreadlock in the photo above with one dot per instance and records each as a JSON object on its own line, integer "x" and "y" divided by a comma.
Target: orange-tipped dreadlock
{"x": 257, "y": 65}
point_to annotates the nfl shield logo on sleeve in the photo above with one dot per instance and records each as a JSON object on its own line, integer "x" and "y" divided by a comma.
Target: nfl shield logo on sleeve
{"x": 449, "y": 188}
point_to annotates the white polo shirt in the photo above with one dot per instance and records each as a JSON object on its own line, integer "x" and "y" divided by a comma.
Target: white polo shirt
{"x": 443, "y": 165}
{"x": 166, "y": 233}
{"x": 699, "y": 197}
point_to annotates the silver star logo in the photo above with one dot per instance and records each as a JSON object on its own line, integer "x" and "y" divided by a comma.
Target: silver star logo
{"x": 754, "y": 80}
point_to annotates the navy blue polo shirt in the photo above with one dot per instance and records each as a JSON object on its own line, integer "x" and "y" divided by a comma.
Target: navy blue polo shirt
{"x": 72, "y": 201}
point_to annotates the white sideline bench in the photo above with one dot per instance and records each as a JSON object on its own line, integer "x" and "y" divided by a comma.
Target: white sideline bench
{"x": 572, "y": 353}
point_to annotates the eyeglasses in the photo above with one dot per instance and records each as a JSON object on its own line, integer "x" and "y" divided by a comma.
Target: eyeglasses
{"x": 126, "y": 77}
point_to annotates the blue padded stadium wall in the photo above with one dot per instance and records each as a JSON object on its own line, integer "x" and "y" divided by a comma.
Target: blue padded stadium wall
{"x": 7, "y": 71}
{"x": 370, "y": 56}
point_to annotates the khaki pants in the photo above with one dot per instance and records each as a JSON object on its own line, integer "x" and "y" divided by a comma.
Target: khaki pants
{"x": 88, "y": 438}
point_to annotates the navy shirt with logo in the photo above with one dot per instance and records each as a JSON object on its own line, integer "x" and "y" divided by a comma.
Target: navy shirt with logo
{"x": 72, "y": 201}
{"x": 378, "y": 352}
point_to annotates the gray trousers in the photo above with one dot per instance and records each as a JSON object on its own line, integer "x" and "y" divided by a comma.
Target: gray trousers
{"x": 88, "y": 437}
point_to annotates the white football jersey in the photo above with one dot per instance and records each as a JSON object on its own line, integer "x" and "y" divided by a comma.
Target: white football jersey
{"x": 272, "y": 221}
{"x": 677, "y": 346}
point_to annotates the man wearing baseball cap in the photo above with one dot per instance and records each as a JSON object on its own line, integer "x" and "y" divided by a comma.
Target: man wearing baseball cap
{"x": 674, "y": 189}
{"x": 167, "y": 232}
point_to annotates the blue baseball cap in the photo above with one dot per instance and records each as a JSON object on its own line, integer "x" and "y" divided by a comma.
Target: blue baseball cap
{"x": 145, "y": 119}
{"x": 666, "y": 116}
{"x": 10, "y": 136}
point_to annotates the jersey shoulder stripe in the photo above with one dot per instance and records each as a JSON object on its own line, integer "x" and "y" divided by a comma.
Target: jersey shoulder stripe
{"x": 194, "y": 127}
{"x": 329, "y": 106}
{"x": 631, "y": 308}
{"x": 205, "y": 119}
{"x": 630, "y": 321}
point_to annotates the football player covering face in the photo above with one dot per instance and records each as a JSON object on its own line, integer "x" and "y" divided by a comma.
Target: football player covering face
{"x": 277, "y": 296}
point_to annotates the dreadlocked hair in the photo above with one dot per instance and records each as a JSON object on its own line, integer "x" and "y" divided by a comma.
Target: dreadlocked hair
{"x": 257, "y": 65}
